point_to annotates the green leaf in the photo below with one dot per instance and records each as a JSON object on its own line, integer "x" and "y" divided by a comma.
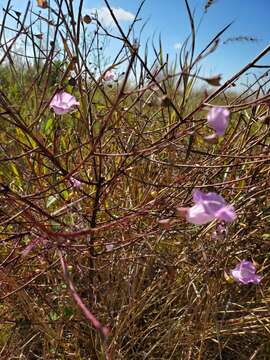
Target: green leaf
{"x": 15, "y": 170}
{"x": 96, "y": 127}
{"x": 48, "y": 125}
{"x": 51, "y": 200}
{"x": 25, "y": 139}
{"x": 68, "y": 312}
{"x": 53, "y": 316}
{"x": 55, "y": 227}
{"x": 100, "y": 106}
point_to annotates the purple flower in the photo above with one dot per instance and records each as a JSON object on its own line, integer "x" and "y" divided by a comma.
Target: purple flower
{"x": 218, "y": 119}
{"x": 63, "y": 102}
{"x": 109, "y": 75}
{"x": 109, "y": 247}
{"x": 220, "y": 232}
{"x": 75, "y": 183}
{"x": 209, "y": 206}
{"x": 245, "y": 273}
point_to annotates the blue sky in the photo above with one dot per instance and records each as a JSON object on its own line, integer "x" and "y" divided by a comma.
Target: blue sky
{"x": 169, "y": 19}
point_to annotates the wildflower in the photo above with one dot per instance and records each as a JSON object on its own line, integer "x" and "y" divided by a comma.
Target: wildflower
{"x": 218, "y": 119}
{"x": 109, "y": 75}
{"x": 109, "y": 247}
{"x": 220, "y": 232}
{"x": 63, "y": 102}
{"x": 208, "y": 206}
{"x": 75, "y": 183}
{"x": 245, "y": 273}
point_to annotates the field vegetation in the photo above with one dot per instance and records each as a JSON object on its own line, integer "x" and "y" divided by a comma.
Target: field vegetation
{"x": 97, "y": 257}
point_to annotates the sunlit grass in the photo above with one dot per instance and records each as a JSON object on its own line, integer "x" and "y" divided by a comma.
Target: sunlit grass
{"x": 136, "y": 144}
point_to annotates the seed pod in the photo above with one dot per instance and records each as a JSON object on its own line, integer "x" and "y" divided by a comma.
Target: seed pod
{"x": 72, "y": 81}
{"x": 214, "y": 81}
{"x": 39, "y": 36}
{"x": 42, "y": 4}
{"x": 87, "y": 19}
{"x": 165, "y": 100}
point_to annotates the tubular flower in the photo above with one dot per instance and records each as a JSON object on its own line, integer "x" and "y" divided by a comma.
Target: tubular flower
{"x": 75, "y": 183}
{"x": 63, "y": 103}
{"x": 218, "y": 119}
{"x": 109, "y": 75}
{"x": 245, "y": 273}
{"x": 209, "y": 206}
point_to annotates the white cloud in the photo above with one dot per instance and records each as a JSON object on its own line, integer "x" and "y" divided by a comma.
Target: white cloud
{"x": 177, "y": 46}
{"x": 106, "y": 19}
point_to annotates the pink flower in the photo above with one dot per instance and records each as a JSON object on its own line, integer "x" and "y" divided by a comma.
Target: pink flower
{"x": 245, "y": 273}
{"x": 208, "y": 207}
{"x": 220, "y": 232}
{"x": 109, "y": 247}
{"x": 109, "y": 75}
{"x": 75, "y": 183}
{"x": 218, "y": 119}
{"x": 63, "y": 102}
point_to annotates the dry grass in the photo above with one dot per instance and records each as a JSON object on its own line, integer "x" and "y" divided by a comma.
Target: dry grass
{"x": 138, "y": 147}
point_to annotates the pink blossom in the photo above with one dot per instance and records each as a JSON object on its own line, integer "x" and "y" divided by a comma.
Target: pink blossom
{"x": 218, "y": 119}
{"x": 109, "y": 75}
{"x": 208, "y": 207}
{"x": 63, "y": 102}
{"x": 220, "y": 232}
{"x": 245, "y": 273}
{"x": 75, "y": 183}
{"x": 109, "y": 247}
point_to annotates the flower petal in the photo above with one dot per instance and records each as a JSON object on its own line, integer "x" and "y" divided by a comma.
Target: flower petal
{"x": 245, "y": 273}
{"x": 197, "y": 215}
{"x": 63, "y": 102}
{"x": 218, "y": 119}
{"x": 226, "y": 213}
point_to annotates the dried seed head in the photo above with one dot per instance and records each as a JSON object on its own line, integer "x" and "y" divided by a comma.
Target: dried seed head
{"x": 87, "y": 19}
{"x": 214, "y": 81}
{"x": 39, "y": 36}
{"x": 42, "y": 4}
{"x": 165, "y": 100}
{"x": 72, "y": 81}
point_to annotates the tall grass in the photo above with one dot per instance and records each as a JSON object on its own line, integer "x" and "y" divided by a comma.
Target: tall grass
{"x": 91, "y": 272}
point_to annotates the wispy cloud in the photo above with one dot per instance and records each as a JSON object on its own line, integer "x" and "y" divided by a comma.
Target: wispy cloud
{"x": 106, "y": 19}
{"x": 177, "y": 46}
